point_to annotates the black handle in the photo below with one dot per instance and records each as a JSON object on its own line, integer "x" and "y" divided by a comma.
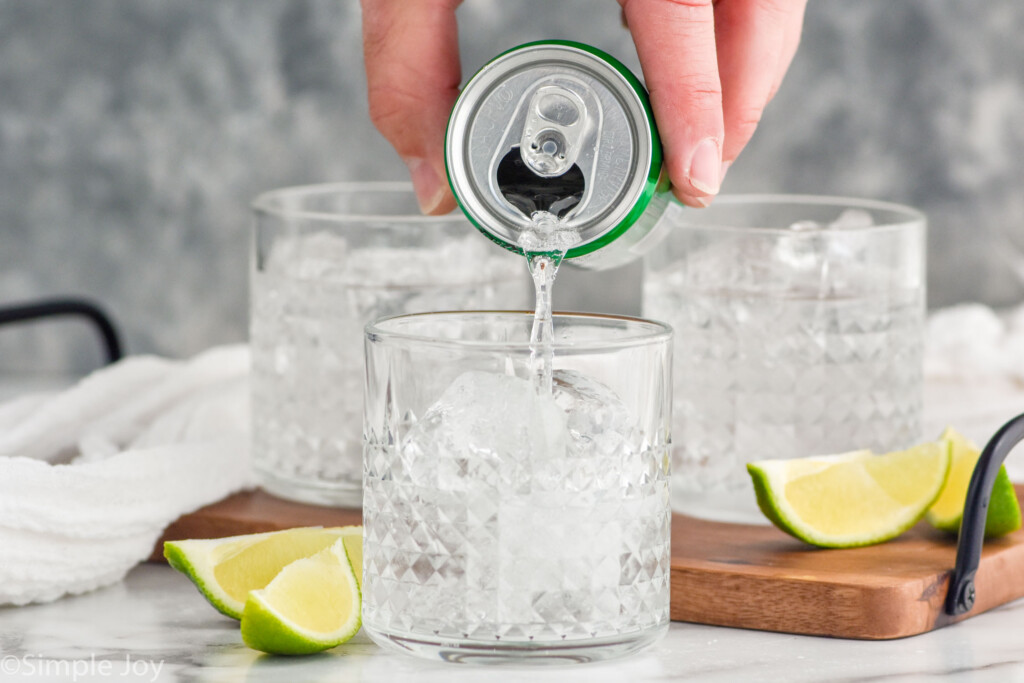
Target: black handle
{"x": 960, "y": 598}
{"x": 59, "y": 307}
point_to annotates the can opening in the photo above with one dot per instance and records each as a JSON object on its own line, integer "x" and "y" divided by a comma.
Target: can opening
{"x": 530, "y": 193}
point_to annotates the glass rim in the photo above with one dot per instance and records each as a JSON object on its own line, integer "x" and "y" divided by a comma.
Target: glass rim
{"x": 655, "y": 332}
{"x": 267, "y": 203}
{"x": 909, "y": 216}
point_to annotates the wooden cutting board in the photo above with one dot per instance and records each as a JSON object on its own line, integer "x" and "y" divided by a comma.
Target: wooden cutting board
{"x": 743, "y": 576}
{"x": 758, "y": 577}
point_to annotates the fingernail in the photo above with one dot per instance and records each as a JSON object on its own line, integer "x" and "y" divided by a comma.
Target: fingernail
{"x": 426, "y": 183}
{"x": 697, "y": 202}
{"x": 694, "y": 202}
{"x": 705, "y": 166}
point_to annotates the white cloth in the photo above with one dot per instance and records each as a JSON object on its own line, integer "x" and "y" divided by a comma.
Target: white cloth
{"x": 91, "y": 476}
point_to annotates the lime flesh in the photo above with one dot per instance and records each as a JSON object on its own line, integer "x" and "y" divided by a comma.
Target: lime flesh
{"x": 225, "y": 570}
{"x": 312, "y": 605}
{"x": 851, "y": 499}
{"x": 946, "y": 514}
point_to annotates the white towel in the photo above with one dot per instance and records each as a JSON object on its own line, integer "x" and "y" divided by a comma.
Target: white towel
{"x": 91, "y": 476}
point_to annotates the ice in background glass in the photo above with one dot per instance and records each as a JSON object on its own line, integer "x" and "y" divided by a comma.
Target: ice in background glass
{"x": 502, "y": 522}
{"x": 328, "y": 259}
{"x": 799, "y": 331}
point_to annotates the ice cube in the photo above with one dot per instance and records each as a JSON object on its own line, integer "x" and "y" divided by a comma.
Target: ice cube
{"x": 851, "y": 219}
{"x": 317, "y": 256}
{"x": 484, "y": 430}
{"x": 599, "y": 423}
{"x": 525, "y": 492}
{"x": 329, "y": 258}
{"x": 798, "y": 261}
{"x": 501, "y": 430}
{"x": 817, "y": 263}
{"x": 465, "y": 465}
{"x": 560, "y": 545}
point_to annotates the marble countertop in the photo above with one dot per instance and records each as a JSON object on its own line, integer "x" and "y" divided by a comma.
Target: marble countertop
{"x": 154, "y": 626}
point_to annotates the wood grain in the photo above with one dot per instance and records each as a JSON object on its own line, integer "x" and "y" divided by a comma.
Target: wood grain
{"x": 758, "y": 577}
{"x": 742, "y": 576}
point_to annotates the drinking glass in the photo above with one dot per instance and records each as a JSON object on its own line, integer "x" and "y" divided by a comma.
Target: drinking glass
{"x": 799, "y": 331}
{"x": 504, "y": 522}
{"x": 327, "y": 259}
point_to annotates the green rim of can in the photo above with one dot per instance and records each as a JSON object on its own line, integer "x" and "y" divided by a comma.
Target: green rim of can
{"x": 656, "y": 181}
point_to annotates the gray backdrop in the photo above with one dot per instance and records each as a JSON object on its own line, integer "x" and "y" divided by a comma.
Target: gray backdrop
{"x": 133, "y": 134}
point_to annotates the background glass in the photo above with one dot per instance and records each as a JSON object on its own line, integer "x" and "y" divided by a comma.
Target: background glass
{"x": 328, "y": 259}
{"x": 799, "y": 331}
{"x": 502, "y": 523}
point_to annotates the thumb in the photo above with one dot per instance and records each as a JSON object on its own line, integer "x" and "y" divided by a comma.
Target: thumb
{"x": 410, "y": 48}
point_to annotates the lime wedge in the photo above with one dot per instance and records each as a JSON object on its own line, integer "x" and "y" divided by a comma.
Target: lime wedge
{"x": 226, "y": 569}
{"x": 312, "y": 605}
{"x": 851, "y": 499}
{"x": 1003, "y": 508}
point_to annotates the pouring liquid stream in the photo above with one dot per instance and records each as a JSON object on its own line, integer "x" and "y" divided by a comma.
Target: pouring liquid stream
{"x": 543, "y": 269}
{"x": 545, "y": 244}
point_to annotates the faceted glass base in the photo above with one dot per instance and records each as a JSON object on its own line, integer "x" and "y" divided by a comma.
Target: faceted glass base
{"x": 334, "y": 494}
{"x": 532, "y": 652}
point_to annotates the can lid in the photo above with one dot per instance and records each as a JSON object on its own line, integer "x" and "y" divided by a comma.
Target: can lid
{"x": 598, "y": 109}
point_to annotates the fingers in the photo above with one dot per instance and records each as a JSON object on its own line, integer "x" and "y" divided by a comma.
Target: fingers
{"x": 412, "y": 72}
{"x": 756, "y": 42}
{"x": 790, "y": 42}
{"x": 675, "y": 40}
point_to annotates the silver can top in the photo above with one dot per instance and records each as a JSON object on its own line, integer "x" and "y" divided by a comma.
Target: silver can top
{"x": 552, "y": 127}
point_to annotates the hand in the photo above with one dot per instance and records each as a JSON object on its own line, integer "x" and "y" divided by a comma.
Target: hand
{"x": 710, "y": 67}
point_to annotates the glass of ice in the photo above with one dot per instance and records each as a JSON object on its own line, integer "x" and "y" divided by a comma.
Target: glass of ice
{"x": 799, "y": 331}
{"x": 327, "y": 259}
{"x": 502, "y": 522}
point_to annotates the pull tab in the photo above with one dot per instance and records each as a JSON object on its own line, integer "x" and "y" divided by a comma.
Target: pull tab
{"x": 553, "y": 131}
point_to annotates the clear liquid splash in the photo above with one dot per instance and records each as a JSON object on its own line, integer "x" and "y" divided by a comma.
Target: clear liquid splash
{"x": 547, "y": 234}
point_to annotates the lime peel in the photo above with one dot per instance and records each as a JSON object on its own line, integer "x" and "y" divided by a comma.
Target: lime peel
{"x": 226, "y": 569}
{"x": 851, "y": 499}
{"x": 312, "y": 605}
{"x": 947, "y": 513}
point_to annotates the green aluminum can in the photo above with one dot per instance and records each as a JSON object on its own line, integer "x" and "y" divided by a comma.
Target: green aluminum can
{"x": 564, "y": 129}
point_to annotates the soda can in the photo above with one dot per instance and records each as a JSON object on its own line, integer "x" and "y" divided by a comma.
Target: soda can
{"x": 563, "y": 130}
